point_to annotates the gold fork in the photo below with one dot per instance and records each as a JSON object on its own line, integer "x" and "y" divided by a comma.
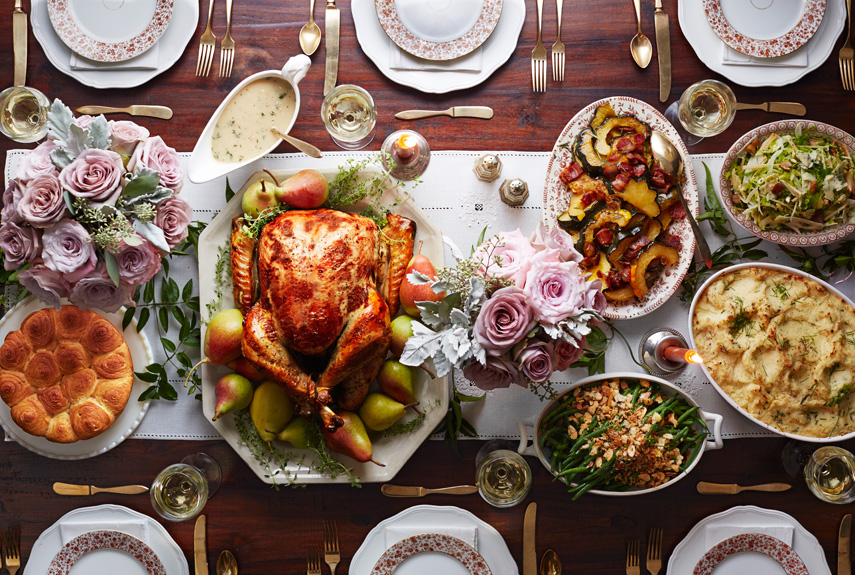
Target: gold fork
{"x": 538, "y": 55}
{"x": 332, "y": 556}
{"x": 654, "y": 551}
{"x": 313, "y": 560}
{"x": 847, "y": 73}
{"x": 206, "y": 46}
{"x": 11, "y": 550}
{"x": 227, "y": 48}
{"x": 632, "y": 567}
{"x": 558, "y": 49}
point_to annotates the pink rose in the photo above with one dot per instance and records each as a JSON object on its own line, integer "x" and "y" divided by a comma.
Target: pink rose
{"x": 11, "y": 198}
{"x": 156, "y": 155}
{"x": 42, "y": 203}
{"x": 536, "y": 360}
{"x": 19, "y": 245}
{"x": 173, "y": 216}
{"x": 37, "y": 162}
{"x": 125, "y": 135}
{"x": 137, "y": 264}
{"x": 546, "y": 255}
{"x": 504, "y": 321}
{"x": 98, "y": 291}
{"x": 84, "y": 121}
{"x": 498, "y": 372}
{"x": 505, "y": 255}
{"x": 594, "y": 298}
{"x": 555, "y": 290}
{"x": 556, "y": 239}
{"x": 565, "y": 353}
{"x": 47, "y": 285}
{"x": 68, "y": 249}
{"x": 95, "y": 175}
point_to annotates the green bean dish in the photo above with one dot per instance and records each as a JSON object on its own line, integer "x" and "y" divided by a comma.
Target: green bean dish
{"x": 620, "y": 435}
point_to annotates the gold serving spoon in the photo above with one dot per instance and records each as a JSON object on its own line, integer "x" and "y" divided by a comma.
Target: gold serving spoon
{"x": 310, "y": 34}
{"x": 227, "y": 564}
{"x": 640, "y": 46}
{"x": 550, "y": 564}
{"x": 304, "y": 147}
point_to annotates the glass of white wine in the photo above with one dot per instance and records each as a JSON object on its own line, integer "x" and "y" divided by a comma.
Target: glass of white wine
{"x": 830, "y": 474}
{"x": 350, "y": 116}
{"x": 23, "y": 114}
{"x": 503, "y": 476}
{"x": 706, "y": 108}
{"x": 180, "y": 491}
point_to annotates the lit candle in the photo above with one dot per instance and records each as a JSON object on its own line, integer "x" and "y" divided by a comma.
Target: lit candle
{"x": 682, "y": 355}
{"x": 406, "y": 148}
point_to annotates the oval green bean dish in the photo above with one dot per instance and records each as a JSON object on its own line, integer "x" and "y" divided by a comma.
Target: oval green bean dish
{"x": 620, "y": 435}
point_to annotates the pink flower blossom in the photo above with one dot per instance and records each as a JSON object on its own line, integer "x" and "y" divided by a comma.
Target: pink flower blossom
{"x": 42, "y": 203}
{"x": 555, "y": 291}
{"x": 173, "y": 217}
{"x": 37, "y": 162}
{"x": 504, "y": 321}
{"x": 156, "y": 155}
{"x": 125, "y": 135}
{"x": 95, "y": 175}
{"x": 68, "y": 250}
{"x": 536, "y": 360}
{"x": 11, "y": 198}
{"x": 18, "y": 244}
{"x": 497, "y": 373}
{"x": 47, "y": 285}
{"x": 137, "y": 264}
{"x": 556, "y": 239}
{"x": 565, "y": 353}
{"x": 98, "y": 291}
{"x": 506, "y": 256}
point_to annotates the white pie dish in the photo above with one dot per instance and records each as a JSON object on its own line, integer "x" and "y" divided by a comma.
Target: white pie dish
{"x": 203, "y": 167}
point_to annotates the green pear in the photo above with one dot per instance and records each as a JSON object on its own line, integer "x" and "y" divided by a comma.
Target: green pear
{"x": 351, "y": 439}
{"x": 271, "y": 410}
{"x": 397, "y": 381}
{"x": 402, "y": 330}
{"x": 306, "y": 190}
{"x": 258, "y": 197}
{"x": 234, "y": 392}
{"x": 379, "y": 411}
{"x": 295, "y": 433}
{"x": 411, "y": 293}
{"x": 222, "y": 339}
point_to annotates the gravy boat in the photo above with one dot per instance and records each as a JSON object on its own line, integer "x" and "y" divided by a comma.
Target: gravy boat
{"x": 203, "y": 167}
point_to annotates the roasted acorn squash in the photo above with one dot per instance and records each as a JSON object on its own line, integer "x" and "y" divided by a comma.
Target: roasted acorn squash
{"x": 638, "y": 269}
{"x": 601, "y": 115}
{"x": 621, "y": 294}
{"x": 570, "y": 220}
{"x": 586, "y": 153}
{"x": 603, "y": 132}
{"x": 639, "y": 194}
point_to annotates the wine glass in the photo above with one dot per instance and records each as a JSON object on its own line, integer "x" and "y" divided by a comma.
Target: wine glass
{"x": 705, "y": 109}
{"x": 828, "y": 471}
{"x": 180, "y": 491}
{"x": 23, "y": 114}
{"x": 503, "y": 476}
{"x": 349, "y": 115}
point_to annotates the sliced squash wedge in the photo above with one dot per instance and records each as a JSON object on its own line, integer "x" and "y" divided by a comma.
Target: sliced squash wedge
{"x": 603, "y": 112}
{"x": 601, "y": 270}
{"x": 604, "y": 134}
{"x": 652, "y": 229}
{"x": 577, "y": 218}
{"x": 638, "y": 269}
{"x": 622, "y": 294}
{"x": 640, "y": 195}
{"x": 586, "y": 152}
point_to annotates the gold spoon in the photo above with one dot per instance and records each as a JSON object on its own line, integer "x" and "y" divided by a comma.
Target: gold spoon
{"x": 304, "y": 147}
{"x": 550, "y": 564}
{"x": 640, "y": 46}
{"x": 310, "y": 34}
{"x": 227, "y": 564}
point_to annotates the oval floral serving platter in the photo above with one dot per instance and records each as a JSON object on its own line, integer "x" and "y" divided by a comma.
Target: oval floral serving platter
{"x": 95, "y": 540}
{"x": 556, "y": 199}
{"x": 788, "y": 41}
{"x": 431, "y": 543}
{"x": 827, "y": 236}
{"x": 752, "y": 542}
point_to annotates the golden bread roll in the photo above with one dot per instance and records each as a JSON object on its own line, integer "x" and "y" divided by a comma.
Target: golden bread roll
{"x": 66, "y": 375}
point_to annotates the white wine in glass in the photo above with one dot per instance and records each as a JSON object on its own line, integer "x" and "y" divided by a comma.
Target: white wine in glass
{"x": 830, "y": 474}
{"x": 180, "y": 491}
{"x": 707, "y": 108}
{"x": 23, "y": 114}
{"x": 349, "y": 115}
{"x": 504, "y": 478}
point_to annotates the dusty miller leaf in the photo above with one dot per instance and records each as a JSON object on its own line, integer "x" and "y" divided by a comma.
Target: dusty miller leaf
{"x": 60, "y": 118}
{"x": 153, "y": 234}
{"x": 99, "y": 133}
{"x": 417, "y": 278}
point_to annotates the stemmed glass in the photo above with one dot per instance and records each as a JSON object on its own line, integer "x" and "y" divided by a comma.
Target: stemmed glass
{"x": 180, "y": 491}
{"x": 503, "y": 476}
{"x": 828, "y": 471}
{"x": 705, "y": 109}
{"x": 23, "y": 114}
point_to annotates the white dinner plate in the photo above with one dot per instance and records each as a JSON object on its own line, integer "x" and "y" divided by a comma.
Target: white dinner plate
{"x": 170, "y": 47}
{"x": 124, "y": 425}
{"x": 708, "y": 46}
{"x": 107, "y": 561}
{"x": 432, "y": 518}
{"x": 690, "y": 550}
{"x": 495, "y": 51}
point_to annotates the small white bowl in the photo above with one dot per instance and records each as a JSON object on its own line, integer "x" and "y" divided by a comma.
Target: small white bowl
{"x": 203, "y": 167}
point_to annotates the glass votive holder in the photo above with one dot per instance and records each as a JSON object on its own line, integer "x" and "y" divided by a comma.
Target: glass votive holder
{"x": 350, "y": 116}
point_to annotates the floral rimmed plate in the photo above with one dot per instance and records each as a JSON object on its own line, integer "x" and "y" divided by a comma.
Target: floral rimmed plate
{"x": 768, "y": 20}
{"x": 756, "y": 543}
{"x": 431, "y": 543}
{"x": 110, "y": 30}
{"x": 433, "y": 31}
{"x": 556, "y": 199}
{"x": 75, "y": 549}
{"x": 822, "y": 237}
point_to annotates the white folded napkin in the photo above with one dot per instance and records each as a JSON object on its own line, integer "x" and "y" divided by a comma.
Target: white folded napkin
{"x": 401, "y": 60}
{"x": 468, "y": 535}
{"x": 714, "y": 534}
{"x": 148, "y": 60}
{"x": 796, "y": 59}
{"x": 68, "y": 530}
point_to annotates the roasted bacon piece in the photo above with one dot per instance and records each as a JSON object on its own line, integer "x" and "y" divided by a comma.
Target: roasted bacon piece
{"x": 571, "y": 172}
{"x": 243, "y": 276}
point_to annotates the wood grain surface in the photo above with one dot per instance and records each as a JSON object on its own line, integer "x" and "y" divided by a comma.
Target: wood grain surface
{"x": 269, "y": 530}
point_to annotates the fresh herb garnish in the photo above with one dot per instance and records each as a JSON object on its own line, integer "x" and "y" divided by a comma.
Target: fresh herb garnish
{"x": 740, "y": 320}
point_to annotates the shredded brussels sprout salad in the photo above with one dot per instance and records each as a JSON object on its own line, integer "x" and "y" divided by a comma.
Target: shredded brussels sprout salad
{"x": 797, "y": 183}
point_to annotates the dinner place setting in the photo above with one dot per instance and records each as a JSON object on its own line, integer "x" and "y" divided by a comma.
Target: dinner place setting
{"x": 405, "y": 287}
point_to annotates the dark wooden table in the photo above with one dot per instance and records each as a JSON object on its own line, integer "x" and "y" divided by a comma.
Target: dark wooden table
{"x": 267, "y": 529}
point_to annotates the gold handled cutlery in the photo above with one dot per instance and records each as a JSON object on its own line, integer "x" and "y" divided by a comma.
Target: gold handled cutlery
{"x": 227, "y": 46}
{"x": 161, "y": 112}
{"x": 538, "y": 55}
{"x": 414, "y": 491}
{"x": 304, "y": 147}
{"x": 706, "y": 488}
{"x": 529, "y": 547}
{"x": 654, "y": 551}
{"x": 792, "y": 108}
{"x": 847, "y": 54}
{"x": 640, "y": 46}
{"x": 73, "y": 489}
{"x": 633, "y": 557}
{"x": 200, "y": 550}
{"x": 332, "y": 23}
{"x": 558, "y": 48}
{"x": 19, "y": 43}
{"x": 663, "y": 50}
{"x": 844, "y": 563}
{"x": 332, "y": 556}
{"x": 482, "y": 112}
{"x": 206, "y": 45}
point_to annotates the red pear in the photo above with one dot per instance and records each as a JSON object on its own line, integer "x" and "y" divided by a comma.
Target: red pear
{"x": 234, "y": 392}
{"x": 410, "y": 294}
{"x": 351, "y": 439}
{"x": 222, "y": 339}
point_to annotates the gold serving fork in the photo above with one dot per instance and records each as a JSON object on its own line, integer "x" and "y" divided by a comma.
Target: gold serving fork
{"x": 632, "y": 560}
{"x": 332, "y": 556}
{"x": 558, "y": 49}
{"x": 227, "y": 48}
{"x": 538, "y": 55}
{"x": 313, "y": 559}
{"x": 654, "y": 551}
{"x": 206, "y": 46}
{"x": 12, "y": 550}
{"x": 847, "y": 70}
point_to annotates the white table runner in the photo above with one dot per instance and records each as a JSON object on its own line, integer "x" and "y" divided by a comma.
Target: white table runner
{"x": 461, "y": 206}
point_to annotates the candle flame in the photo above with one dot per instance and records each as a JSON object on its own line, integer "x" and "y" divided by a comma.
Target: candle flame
{"x": 407, "y": 141}
{"x": 693, "y": 357}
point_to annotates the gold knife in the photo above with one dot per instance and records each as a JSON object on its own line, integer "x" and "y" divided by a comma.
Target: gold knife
{"x": 482, "y": 112}
{"x": 663, "y": 48}
{"x": 529, "y": 548}
{"x": 844, "y": 564}
{"x": 792, "y": 108}
{"x": 332, "y": 22}
{"x": 413, "y": 491}
{"x": 199, "y": 552}
{"x": 732, "y": 488}
{"x": 161, "y": 112}
{"x": 72, "y": 489}
{"x": 19, "y": 43}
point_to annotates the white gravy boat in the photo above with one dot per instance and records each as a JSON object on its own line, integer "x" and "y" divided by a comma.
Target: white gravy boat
{"x": 203, "y": 167}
